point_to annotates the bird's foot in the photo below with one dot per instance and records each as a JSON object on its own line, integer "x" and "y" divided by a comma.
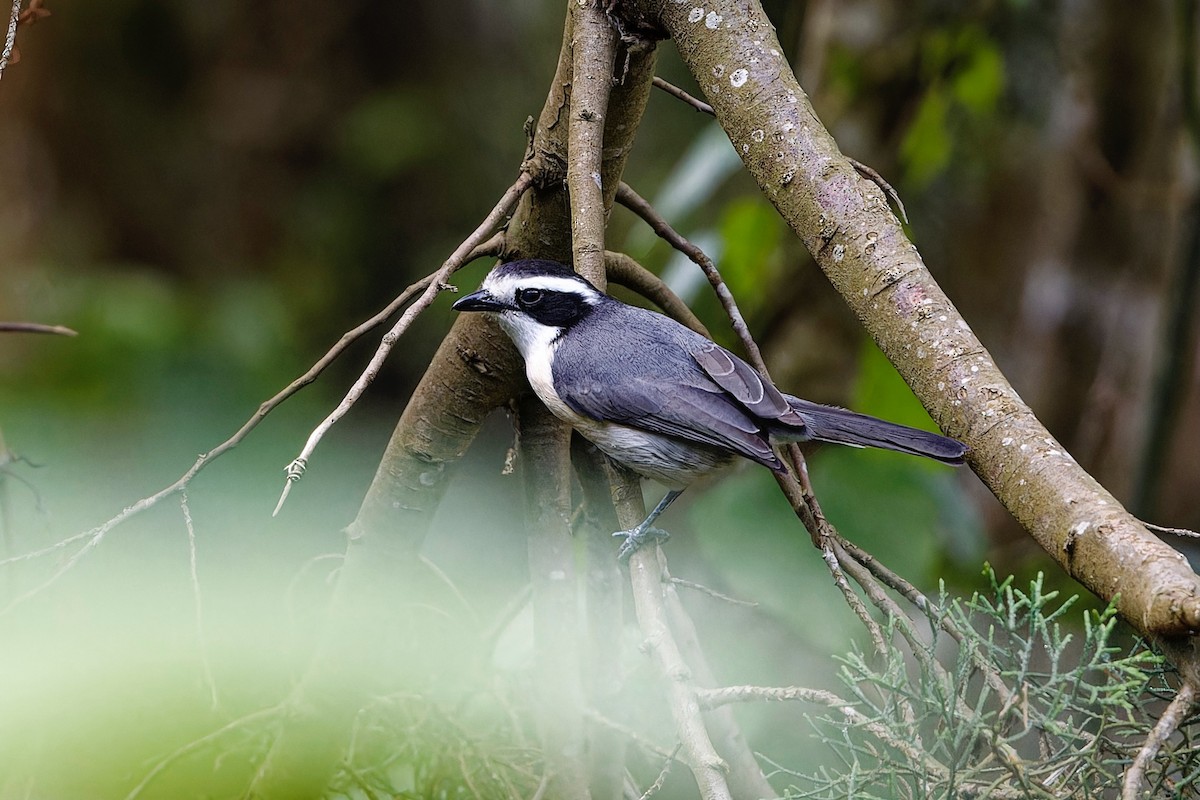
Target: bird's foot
{"x": 637, "y": 537}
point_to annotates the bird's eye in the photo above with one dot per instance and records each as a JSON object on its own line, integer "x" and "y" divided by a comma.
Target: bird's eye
{"x": 530, "y": 297}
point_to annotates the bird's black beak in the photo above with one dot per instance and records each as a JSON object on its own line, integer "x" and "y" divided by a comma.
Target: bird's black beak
{"x": 481, "y": 300}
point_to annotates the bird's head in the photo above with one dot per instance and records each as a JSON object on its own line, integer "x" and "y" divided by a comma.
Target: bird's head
{"x": 534, "y": 301}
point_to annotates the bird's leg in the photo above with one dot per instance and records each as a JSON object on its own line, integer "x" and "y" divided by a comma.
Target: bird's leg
{"x": 636, "y": 537}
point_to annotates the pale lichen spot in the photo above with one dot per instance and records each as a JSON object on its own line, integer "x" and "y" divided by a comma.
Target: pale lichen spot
{"x": 696, "y": 14}
{"x": 941, "y": 385}
{"x": 757, "y": 135}
{"x": 839, "y": 252}
{"x": 1006, "y": 441}
{"x": 745, "y": 148}
{"x": 718, "y": 70}
{"x": 738, "y": 78}
{"x": 713, "y": 20}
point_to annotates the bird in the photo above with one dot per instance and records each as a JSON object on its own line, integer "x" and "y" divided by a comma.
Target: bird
{"x": 654, "y": 395}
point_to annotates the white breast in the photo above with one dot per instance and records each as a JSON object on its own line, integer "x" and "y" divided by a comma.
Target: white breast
{"x": 668, "y": 460}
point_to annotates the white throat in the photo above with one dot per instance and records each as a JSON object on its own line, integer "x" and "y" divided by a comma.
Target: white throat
{"x": 532, "y": 339}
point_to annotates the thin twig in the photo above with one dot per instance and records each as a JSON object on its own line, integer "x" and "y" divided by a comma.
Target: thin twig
{"x": 295, "y": 470}
{"x": 36, "y": 327}
{"x": 10, "y": 40}
{"x": 1172, "y": 531}
{"x": 191, "y": 747}
{"x": 627, "y": 197}
{"x": 712, "y": 698}
{"x": 713, "y": 593}
{"x": 655, "y": 787}
{"x": 829, "y": 555}
{"x": 1168, "y": 723}
{"x": 898, "y": 584}
{"x": 877, "y": 179}
{"x": 694, "y": 102}
{"x": 641, "y": 741}
{"x": 201, "y": 638}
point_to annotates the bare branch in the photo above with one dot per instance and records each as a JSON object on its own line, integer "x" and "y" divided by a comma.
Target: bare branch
{"x": 1184, "y": 532}
{"x": 627, "y": 197}
{"x": 874, "y": 177}
{"x": 655, "y": 787}
{"x": 675, "y": 91}
{"x": 36, "y": 327}
{"x": 845, "y": 223}
{"x": 437, "y": 283}
{"x": 193, "y": 746}
{"x": 645, "y": 572}
{"x": 197, "y": 600}
{"x": 10, "y": 39}
{"x": 641, "y": 741}
{"x": 713, "y": 593}
{"x": 1172, "y": 717}
{"x": 594, "y": 45}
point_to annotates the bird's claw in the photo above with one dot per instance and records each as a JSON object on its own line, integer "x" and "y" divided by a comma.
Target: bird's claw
{"x": 636, "y": 538}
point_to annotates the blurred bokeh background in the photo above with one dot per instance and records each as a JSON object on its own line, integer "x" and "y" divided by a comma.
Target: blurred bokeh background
{"x": 211, "y": 192}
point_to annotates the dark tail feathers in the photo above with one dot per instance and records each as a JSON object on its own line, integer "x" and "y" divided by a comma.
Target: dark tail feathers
{"x": 839, "y": 426}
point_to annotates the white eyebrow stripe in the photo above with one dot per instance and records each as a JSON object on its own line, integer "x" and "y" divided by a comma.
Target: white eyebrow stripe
{"x": 506, "y": 285}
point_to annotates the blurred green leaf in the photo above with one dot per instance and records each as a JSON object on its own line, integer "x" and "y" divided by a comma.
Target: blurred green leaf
{"x": 386, "y": 133}
{"x": 979, "y": 84}
{"x": 925, "y": 148}
{"x": 751, "y": 232}
{"x": 964, "y": 70}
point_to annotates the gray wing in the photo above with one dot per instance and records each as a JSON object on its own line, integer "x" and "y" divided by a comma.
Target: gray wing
{"x": 653, "y": 383}
{"x": 744, "y": 384}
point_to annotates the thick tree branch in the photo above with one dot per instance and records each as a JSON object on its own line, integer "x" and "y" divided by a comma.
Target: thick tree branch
{"x": 546, "y": 464}
{"x": 593, "y": 47}
{"x": 845, "y": 222}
